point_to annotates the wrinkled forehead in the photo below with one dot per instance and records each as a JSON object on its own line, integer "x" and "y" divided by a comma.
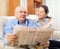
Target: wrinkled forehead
{"x": 20, "y": 8}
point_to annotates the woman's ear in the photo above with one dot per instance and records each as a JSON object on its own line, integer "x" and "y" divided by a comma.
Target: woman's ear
{"x": 46, "y": 14}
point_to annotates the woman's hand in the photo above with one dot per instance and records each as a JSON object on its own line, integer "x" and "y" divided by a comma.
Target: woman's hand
{"x": 46, "y": 44}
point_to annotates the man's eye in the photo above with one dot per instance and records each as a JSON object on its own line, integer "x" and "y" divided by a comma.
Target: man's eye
{"x": 20, "y": 11}
{"x": 24, "y": 11}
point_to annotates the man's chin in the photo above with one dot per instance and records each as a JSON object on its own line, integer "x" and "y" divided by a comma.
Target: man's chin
{"x": 22, "y": 19}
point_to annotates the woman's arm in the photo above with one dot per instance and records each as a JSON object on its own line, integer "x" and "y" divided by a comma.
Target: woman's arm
{"x": 48, "y": 24}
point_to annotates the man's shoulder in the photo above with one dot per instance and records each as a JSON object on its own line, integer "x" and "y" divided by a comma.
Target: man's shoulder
{"x": 11, "y": 21}
{"x": 30, "y": 21}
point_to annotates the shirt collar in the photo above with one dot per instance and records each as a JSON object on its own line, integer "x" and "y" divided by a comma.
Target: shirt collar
{"x": 26, "y": 22}
{"x": 43, "y": 21}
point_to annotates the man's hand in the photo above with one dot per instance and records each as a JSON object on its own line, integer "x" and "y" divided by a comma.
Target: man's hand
{"x": 11, "y": 38}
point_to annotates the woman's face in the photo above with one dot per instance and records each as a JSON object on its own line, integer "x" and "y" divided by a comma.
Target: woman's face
{"x": 41, "y": 13}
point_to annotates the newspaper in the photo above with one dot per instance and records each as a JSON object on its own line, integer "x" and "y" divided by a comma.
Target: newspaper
{"x": 31, "y": 36}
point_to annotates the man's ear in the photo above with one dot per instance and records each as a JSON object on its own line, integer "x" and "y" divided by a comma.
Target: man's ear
{"x": 15, "y": 13}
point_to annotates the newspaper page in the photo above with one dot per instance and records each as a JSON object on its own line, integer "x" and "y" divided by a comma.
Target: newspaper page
{"x": 31, "y": 36}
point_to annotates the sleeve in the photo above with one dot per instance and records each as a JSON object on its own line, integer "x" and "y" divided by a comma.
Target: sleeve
{"x": 8, "y": 28}
{"x": 34, "y": 24}
{"x": 48, "y": 24}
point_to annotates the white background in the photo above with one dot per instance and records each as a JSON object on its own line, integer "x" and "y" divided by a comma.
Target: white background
{"x": 54, "y": 8}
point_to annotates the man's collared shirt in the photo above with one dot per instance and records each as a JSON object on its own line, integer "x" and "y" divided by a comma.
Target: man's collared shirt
{"x": 10, "y": 25}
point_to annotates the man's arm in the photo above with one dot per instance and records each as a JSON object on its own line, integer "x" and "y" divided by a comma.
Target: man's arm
{"x": 8, "y": 35}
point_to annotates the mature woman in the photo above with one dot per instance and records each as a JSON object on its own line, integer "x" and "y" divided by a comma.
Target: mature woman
{"x": 44, "y": 21}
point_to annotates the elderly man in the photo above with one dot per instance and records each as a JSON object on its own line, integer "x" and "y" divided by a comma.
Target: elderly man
{"x": 8, "y": 36}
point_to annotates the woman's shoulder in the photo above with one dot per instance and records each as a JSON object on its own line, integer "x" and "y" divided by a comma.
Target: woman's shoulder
{"x": 49, "y": 19}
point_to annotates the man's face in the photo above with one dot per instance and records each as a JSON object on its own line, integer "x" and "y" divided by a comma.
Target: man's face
{"x": 41, "y": 13}
{"x": 20, "y": 13}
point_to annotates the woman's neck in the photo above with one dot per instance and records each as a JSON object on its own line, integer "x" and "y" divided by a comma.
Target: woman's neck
{"x": 41, "y": 20}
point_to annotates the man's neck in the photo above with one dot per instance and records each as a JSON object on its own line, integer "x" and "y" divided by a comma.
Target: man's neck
{"x": 23, "y": 22}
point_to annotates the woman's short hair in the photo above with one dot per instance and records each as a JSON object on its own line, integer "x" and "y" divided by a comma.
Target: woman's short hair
{"x": 45, "y": 8}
